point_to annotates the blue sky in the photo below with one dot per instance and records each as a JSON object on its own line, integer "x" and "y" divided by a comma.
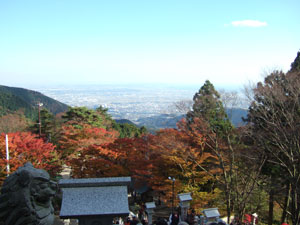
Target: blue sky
{"x": 139, "y": 41}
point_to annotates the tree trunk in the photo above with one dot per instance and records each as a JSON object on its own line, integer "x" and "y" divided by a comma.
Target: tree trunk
{"x": 271, "y": 206}
{"x": 286, "y": 202}
{"x": 294, "y": 206}
{"x": 228, "y": 201}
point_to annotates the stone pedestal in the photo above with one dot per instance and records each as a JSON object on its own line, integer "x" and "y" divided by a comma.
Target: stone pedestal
{"x": 184, "y": 203}
{"x": 94, "y": 201}
{"x": 150, "y": 206}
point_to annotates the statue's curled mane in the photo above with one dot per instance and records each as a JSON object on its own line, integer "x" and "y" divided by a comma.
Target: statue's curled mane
{"x": 26, "y": 197}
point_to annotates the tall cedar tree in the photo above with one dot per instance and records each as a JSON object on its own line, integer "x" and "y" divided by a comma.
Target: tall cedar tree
{"x": 209, "y": 119}
{"x": 208, "y": 106}
{"x": 47, "y": 121}
{"x": 295, "y": 66}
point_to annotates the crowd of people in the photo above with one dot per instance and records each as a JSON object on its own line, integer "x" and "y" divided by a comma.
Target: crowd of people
{"x": 175, "y": 219}
{"x": 135, "y": 221}
{"x": 191, "y": 218}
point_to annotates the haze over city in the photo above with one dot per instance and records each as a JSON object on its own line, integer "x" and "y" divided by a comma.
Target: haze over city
{"x": 131, "y": 42}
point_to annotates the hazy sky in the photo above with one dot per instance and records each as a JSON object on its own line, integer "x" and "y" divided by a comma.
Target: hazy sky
{"x": 154, "y": 41}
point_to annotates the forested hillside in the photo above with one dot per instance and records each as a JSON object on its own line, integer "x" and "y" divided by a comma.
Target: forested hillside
{"x": 13, "y": 99}
{"x": 10, "y": 103}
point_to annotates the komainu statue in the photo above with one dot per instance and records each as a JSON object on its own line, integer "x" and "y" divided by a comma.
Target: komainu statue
{"x": 26, "y": 197}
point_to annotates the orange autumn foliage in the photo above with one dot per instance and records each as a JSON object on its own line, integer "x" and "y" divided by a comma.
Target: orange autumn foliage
{"x": 123, "y": 157}
{"x": 14, "y": 122}
{"x": 95, "y": 161}
{"x": 82, "y": 151}
{"x": 150, "y": 160}
{"x": 133, "y": 156}
{"x": 177, "y": 154}
{"x": 201, "y": 134}
{"x": 73, "y": 139}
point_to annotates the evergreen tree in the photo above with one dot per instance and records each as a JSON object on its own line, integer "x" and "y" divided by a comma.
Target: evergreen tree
{"x": 143, "y": 130}
{"x": 47, "y": 123}
{"x": 83, "y": 115}
{"x": 208, "y": 118}
{"x": 127, "y": 130}
{"x": 208, "y": 106}
{"x": 107, "y": 121}
{"x": 295, "y": 66}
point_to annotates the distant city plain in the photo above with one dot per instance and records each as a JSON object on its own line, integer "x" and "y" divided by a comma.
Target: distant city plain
{"x": 123, "y": 101}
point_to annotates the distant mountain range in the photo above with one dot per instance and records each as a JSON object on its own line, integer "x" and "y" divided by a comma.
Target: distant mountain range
{"x": 236, "y": 114}
{"x": 123, "y": 121}
{"x": 170, "y": 120}
{"x": 13, "y": 99}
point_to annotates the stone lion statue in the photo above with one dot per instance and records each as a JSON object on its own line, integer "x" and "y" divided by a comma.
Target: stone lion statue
{"x": 26, "y": 197}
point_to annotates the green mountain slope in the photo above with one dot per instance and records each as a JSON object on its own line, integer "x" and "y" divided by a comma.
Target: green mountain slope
{"x": 13, "y": 99}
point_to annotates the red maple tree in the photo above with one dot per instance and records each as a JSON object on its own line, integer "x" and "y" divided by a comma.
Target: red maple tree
{"x": 27, "y": 147}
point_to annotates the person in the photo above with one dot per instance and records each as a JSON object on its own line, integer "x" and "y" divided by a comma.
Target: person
{"x": 141, "y": 213}
{"x": 121, "y": 221}
{"x": 236, "y": 221}
{"x": 144, "y": 222}
{"x": 161, "y": 221}
{"x": 127, "y": 221}
{"x": 196, "y": 219}
{"x": 174, "y": 219}
{"x": 191, "y": 219}
{"x": 134, "y": 221}
{"x": 254, "y": 218}
{"x": 116, "y": 221}
{"x": 247, "y": 219}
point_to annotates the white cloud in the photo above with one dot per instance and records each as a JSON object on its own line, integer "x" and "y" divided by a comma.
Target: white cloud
{"x": 248, "y": 23}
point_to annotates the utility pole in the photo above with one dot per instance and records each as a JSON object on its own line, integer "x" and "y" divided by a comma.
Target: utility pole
{"x": 40, "y": 123}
